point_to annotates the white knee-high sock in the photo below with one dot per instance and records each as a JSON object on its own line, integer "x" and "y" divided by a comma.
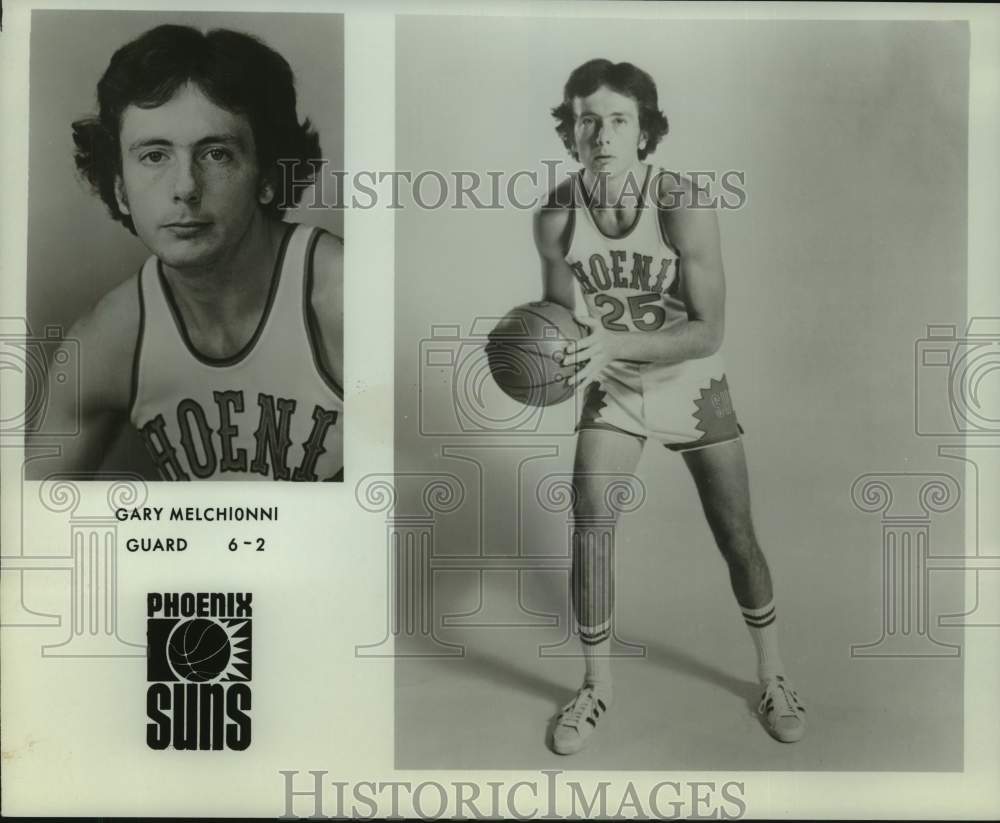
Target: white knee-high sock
{"x": 596, "y": 642}
{"x": 764, "y": 632}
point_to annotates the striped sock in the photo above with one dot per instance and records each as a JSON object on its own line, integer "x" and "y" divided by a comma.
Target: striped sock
{"x": 764, "y": 632}
{"x": 596, "y": 642}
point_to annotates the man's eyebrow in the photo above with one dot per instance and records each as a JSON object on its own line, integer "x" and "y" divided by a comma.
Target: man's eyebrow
{"x": 226, "y": 139}
{"x": 610, "y": 114}
{"x": 230, "y": 139}
{"x": 149, "y": 141}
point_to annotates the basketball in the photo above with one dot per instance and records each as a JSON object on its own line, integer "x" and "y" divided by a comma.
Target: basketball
{"x": 523, "y": 351}
{"x": 198, "y": 650}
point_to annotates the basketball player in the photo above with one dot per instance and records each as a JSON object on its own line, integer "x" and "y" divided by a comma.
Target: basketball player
{"x": 647, "y": 262}
{"x": 225, "y": 349}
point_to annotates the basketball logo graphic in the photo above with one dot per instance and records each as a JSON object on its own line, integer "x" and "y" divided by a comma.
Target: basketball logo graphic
{"x": 202, "y": 649}
{"x": 199, "y": 670}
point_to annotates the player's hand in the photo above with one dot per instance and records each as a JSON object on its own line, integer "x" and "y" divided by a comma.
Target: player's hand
{"x": 596, "y": 350}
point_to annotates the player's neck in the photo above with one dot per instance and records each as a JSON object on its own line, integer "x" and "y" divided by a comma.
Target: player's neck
{"x": 608, "y": 191}
{"x": 235, "y": 284}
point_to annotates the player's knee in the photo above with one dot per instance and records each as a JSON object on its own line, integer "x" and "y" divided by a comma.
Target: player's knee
{"x": 602, "y": 501}
{"x": 738, "y": 545}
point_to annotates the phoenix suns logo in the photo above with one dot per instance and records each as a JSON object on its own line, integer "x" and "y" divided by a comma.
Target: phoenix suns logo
{"x": 199, "y": 669}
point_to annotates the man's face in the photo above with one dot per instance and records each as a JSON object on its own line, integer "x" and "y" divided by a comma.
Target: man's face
{"x": 189, "y": 179}
{"x": 606, "y": 133}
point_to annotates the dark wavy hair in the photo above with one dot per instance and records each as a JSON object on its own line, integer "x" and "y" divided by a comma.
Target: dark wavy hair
{"x": 236, "y": 71}
{"x": 623, "y": 78}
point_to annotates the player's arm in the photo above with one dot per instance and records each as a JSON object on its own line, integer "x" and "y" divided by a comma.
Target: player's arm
{"x": 327, "y": 302}
{"x": 552, "y": 226}
{"x": 88, "y": 399}
{"x": 695, "y": 233}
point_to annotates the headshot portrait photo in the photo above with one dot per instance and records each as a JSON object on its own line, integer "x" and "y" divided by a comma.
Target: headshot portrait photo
{"x": 184, "y": 281}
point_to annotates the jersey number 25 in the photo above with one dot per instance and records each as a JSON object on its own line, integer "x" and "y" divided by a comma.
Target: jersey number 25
{"x": 646, "y": 312}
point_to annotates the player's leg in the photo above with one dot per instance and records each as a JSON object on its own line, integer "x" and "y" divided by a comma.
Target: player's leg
{"x": 603, "y": 456}
{"x": 720, "y": 474}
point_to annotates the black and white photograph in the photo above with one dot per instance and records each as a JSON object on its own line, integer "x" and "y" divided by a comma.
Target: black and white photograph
{"x": 652, "y": 348}
{"x": 724, "y": 240}
{"x": 195, "y": 316}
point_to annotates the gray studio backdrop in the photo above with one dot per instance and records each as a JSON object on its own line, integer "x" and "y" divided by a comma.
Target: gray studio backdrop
{"x": 76, "y": 252}
{"x": 852, "y": 139}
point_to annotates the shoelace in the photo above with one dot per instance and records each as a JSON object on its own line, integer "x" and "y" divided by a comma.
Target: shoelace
{"x": 783, "y": 699}
{"x": 581, "y": 706}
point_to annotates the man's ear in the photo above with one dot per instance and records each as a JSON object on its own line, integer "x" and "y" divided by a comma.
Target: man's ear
{"x": 266, "y": 189}
{"x": 120, "y": 195}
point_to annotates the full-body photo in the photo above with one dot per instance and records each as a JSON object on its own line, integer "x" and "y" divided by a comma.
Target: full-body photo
{"x": 643, "y": 250}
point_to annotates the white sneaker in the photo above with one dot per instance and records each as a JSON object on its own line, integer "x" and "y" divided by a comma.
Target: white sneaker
{"x": 578, "y": 720}
{"x": 781, "y": 710}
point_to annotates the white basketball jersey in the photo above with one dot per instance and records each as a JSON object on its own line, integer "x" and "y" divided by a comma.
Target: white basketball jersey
{"x": 631, "y": 283}
{"x": 268, "y": 412}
